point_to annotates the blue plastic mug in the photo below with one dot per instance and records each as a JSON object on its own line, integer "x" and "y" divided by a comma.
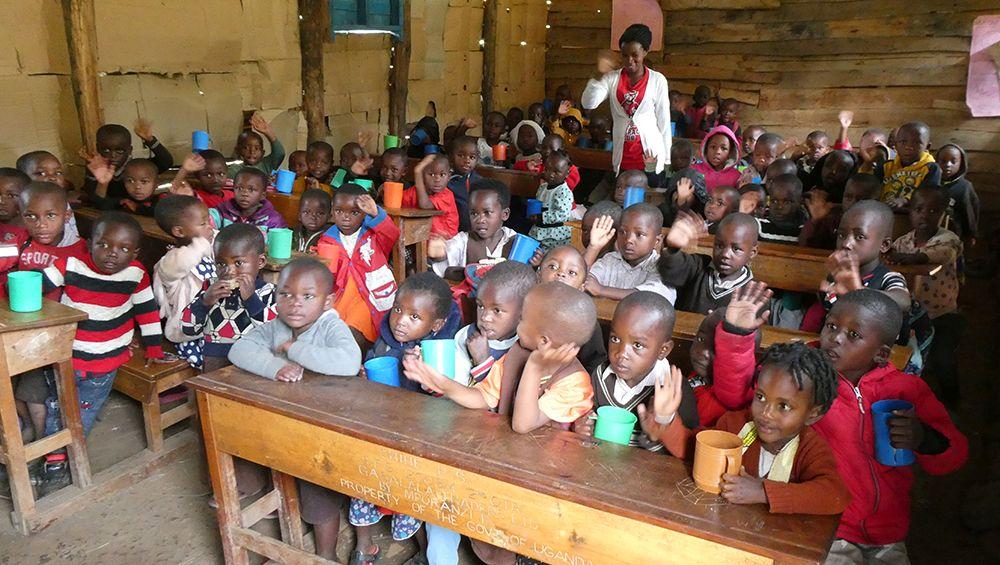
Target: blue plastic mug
{"x": 673, "y": 129}
{"x": 199, "y": 140}
{"x": 523, "y": 249}
{"x": 285, "y": 181}
{"x": 430, "y": 149}
{"x": 440, "y": 355}
{"x": 634, "y": 195}
{"x": 383, "y": 370}
{"x": 534, "y": 207}
{"x": 884, "y": 452}
{"x": 418, "y": 137}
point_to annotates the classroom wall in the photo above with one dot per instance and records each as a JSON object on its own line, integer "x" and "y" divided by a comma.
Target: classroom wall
{"x": 796, "y": 63}
{"x": 520, "y": 69}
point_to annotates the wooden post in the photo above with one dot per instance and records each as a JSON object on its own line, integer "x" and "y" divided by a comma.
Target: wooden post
{"x": 399, "y": 77}
{"x": 314, "y": 24}
{"x": 81, "y": 38}
{"x": 490, "y": 16}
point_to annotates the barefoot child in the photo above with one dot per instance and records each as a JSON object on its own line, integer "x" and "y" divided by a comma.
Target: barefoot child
{"x": 633, "y": 265}
{"x": 249, "y": 204}
{"x": 314, "y": 219}
{"x": 488, "y": 239}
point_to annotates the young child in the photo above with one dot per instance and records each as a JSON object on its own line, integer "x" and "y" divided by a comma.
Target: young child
{"x": 463, "y": 156}
{"x": 601, "y": 209}
{"x": 963, "y": 201}
{"x": 724, "y": 201}
{"x": 726, "y": 116}
{"x": 600, "y": 135}
{"x": 114, "y": 290}
{"x": 858, "y": 337}
{"x": 696, "y": 112}
{"x": 298, "y": 163}
{"x": 817, "y": 144}
{"x": 938, "y": 293}
{"x": 629, "y": 178}
{"x": 753, "y": 200}
{"x": 568, "y": 124}
{"x": 184, "y": 270}
{"x": 750, "y": 137}
{"x": 319, "y": 162}
{"x": 831, "y": 174}
{"x": 249, "y": 204}
{"x": 766, "y": 150}
{"x": 114, "y": 146}
{"x": 12, "y": 183}
{"x": 721, "y": 151}
{"x": 250, "y": 148}
{"x": 488, "y": 239}
{"x": 681, "y": 155}
{"x": 551, "y": 143}
{"x": 526, "y": 137}
{"x": 639, "y": 342}
{"x": 430, "y": 192}
{"x": 139, "y": 179}
{"x": 355, "y": 164}
{"x": 237, "y": 301}
{"x": 820, "y": 229}
{"x": 912, "y": 167}
{"x": 394, "y": 167}
{"x": 633, "y": 264}
{"x": 557, "y": 203}
{"x": 567, "y": 266}
{"x": 780, "y": 167}
{"x": 537, "y": 114}
{"x": 786, "y": 464}
{"x": 209, "y": 170}
{"x": 307, "y": 335}
{"x": 552, "y": 386}
{"x": 782, "y": 222}
{"x": 493, "y": 128}
{"x": 365, "y": 285}
{"x": 706, "y": 283}
{"x": 42, "y": 166}
{"x": 315, "y": 207}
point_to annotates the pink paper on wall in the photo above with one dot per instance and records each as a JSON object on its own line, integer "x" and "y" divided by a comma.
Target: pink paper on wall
{"x": 627, "y": 12}
{"x": 982, "y": 91}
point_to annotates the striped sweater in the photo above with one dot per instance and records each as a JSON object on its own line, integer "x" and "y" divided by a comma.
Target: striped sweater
{"x": 115, "y": 304}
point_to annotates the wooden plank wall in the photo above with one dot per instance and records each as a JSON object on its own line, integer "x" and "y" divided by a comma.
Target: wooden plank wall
{"x": 795, "y": 63}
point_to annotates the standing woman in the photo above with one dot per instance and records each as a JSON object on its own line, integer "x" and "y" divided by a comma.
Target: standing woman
{"x": 640, "y": 105}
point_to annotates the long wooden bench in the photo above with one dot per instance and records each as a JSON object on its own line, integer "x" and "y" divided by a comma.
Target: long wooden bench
{"x": 144, "y": 384}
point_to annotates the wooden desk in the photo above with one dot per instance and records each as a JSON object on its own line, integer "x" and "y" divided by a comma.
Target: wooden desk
{"x": 551, "y": 495}
{"x": 414, "y": 229}
{"x": 520, "y": 183}
{"x": 30, "y": 341}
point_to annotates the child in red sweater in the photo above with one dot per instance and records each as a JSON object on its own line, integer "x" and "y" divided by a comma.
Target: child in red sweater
{"x": 430, "y": 192}
{"x": 210, "y": 172}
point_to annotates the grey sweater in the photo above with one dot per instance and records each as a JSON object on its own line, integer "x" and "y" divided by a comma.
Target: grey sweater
{"x": 328, "y": 347}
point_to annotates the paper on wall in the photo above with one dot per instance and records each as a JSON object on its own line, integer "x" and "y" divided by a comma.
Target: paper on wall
{"x": 627, "y": 12}
{"x": 982, "y": 92}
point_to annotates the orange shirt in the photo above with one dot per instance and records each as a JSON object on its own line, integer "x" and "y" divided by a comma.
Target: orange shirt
{"x": 565, "y": 401}
{"x": 353, "y": 310}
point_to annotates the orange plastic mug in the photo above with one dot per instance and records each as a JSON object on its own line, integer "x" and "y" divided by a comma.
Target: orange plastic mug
{"x": 499, "y": 152}
{"x": 392, "y": 194}
{"x": 716, "y": 453}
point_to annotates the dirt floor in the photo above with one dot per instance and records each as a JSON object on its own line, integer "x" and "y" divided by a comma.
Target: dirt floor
{"x": 165, "y": 519}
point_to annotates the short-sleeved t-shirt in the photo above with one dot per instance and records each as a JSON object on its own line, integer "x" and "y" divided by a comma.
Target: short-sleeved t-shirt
{"x": 564, "y": 401}
{"x": 938, "y": 293}
{"x": 446, "y": 224}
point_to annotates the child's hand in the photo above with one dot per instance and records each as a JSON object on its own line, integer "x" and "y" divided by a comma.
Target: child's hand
{"x": 592, "y": 287}
{"x": 667, "y": 395}
{"x": 607, "y": 61}
{"x": 548, "y": 359}
{"x": 790, "y": 144}
{"x": 181, "y": 187}
{"x": 193, "y": 163}
{"x": 743, "y": 489}
{"x": 219, "y": 290}
{"x": 685, "y": 189}
{"x": 745, "y": 304}
{"x": 246, "y": 283}
{"x": 584, "y": 425}
{"x": 602, "y": 232}
{"x": 312, "y": 184}
{"x": 564, "y": 107}
{"x": 905, "y": 430}
{"x": 478, "y": 346}
{"x": 416, "y": 370}
{"x": 536, "y": 259}
{"x": 846, "y": 117}
{"x": 817, "y": 204}
{"x": 437, "y": 249}
{"x": 649, "y": 157}
{"x": 843, "y": 266}
{"x": 102, "y": 169}
{"x": 423, "y": 163}
{"x": 469, "y": 123}
{"x": 687, "y": 227}
{"x": 284, "y": 347}
{"x": 367, "y": 205}
{"x": 144, "y": 129}
{"x": 258, "y": 123}
{"x": 647, "y": 421}
{"x": 290, "y": 373}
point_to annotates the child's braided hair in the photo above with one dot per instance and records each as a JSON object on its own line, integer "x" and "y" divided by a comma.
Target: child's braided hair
{"x": 806, "y": 364}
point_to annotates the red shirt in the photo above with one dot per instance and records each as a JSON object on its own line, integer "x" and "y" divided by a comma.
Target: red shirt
{"x": 445, "y": 225}
{"x": 630, "y": 96}
{"x": 36, "y": 256}
{"x": 212, "y": 200}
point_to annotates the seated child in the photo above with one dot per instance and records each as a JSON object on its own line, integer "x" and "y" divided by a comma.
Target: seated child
{"x": 43, "y": 166}
{"x": 526, "y": 137}
{"x": 425, "y": 133}
{"x": 12, "y": 183}
{"x": 430, "y": 192}
{"x": 629, "y": 178}
{"x": 114, "y": 146}
{"x": 678, "y": 104}
{"x": 140, "y": 178}
{"x": 766, "y": 150}
{"x": 552, "y": 386}
{"x": 237, "y": 301}
{"x": 831, "y": 173}
{"x": 493, "y": 129}
{"x": 488, "y": 240}
{"x": 753, "y": 200}
{"x": 249, "y": 204}
{"x": 319, "y": 162}
{"x": 633, "y": 264}
{"x": 184, "y": 270}
{"x": 568, "y": 124}
{"x": 726, "y": 116}
{"x": 963, "y": 201}
{"x": 537, "y": 114}
{"x": 557, "y": 202}
{"x": 724, "y": 201}
{"x": 938, "y": 293}
{"x": 567, "y": 266}
{"x": 721, "y": 151}
{"x": 912, "y": 167}
{"x": 514, "y": 116}
{"x": 817, "y": 144}
{"x": 355, "y": 163}
{"x": 114, "y": 290}
{"x": 394, "y": 167}
{"x": 681, "y": 155}
{"x": 365, "y": 285}
{"x": 209, "y": 170}
{"x": 639, "y": 342}
{"x": 788, "y": 465}
{"x": 250, "y": 148}
{"x": 463, "y": 157}
{"x": 706, "y": 283}
{"x": 298, "y": 164}
{"x": 601, "y": 209}
{"x": 858, "y": 337}
{"x": 600, "y": 135}
{"x": 314, "y": 219}
{"x": 783, "y": 219}
{"x": 553, "y": 142}
{"x": 820, "y": 228}
{"x": 696, "y": 112}
{"x": 750, "y": 137}
{"x": 307, "y": 335}
{"x": 780, "y": 167}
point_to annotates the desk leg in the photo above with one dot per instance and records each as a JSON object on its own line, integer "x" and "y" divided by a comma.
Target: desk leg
{"x": 223, "y": 474}
{"x": 421, "y": 259}
{"x": 13, "y": 449}
{"x": 289, "y": 516}
{"x": 69, "y": 403}
{"x": 399, "y": 255}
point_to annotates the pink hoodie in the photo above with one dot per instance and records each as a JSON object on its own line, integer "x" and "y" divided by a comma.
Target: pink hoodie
{"x": 729, "y": 174}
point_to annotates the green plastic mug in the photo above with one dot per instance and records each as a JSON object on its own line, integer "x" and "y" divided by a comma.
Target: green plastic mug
{"x": 25, "y": 289}
{"x": 440, "y": 355}
{"x": 390, "y": 141}
{"x": 614, "y": 424}
{"x": 279, "y": 243}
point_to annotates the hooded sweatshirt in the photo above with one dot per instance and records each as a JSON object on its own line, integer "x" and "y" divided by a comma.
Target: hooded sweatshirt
{"x": 531, "y": 162}
{"x": 900, "y": 182}
{"x": 963, "y": 205}
{"x": 729, "y": 174}
{"x": 387, "y": 346}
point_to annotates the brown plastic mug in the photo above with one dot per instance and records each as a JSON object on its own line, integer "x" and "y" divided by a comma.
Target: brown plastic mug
{"x": 716, "y": 453}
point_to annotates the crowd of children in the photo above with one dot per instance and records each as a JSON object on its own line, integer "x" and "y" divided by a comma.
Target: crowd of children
{"x": 527, "y": 336}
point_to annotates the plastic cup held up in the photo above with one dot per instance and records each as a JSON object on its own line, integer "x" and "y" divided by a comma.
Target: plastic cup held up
{"x": 523, "y": 249}
{"x": 440, "y": 355}
{"x": 634, "y": 195}
{"x": 390, "y": 141}
{"x": 285, "y": 181}
{"x": 199, "y": 140}
{"x": 885, "y": 453}
{"x": 614, "y": 424}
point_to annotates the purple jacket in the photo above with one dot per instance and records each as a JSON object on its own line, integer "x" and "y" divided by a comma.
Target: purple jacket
{"x": 265, "y": 216}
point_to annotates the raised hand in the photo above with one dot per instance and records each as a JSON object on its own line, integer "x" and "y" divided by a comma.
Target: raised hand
{"x": 602, "y": 232}
{"x": 101, "y": 168}
{"x": 144, "y": 129}
{"x": 846, "y": 117}
{"x": 607, "y": 61}
{"x": 667, "y": 394}
{"x": 312, "y": 183}
{"x": 564, "y": 107}
{"x": 258, "y": 123}
{"x": 687, "y": 227}
{"x": 685, "y": 189}
{"x": 747, "y": 308}
{"x": 817, "y": 204}
{"x": 193, "y": 163}
{"x": 365, "y": 137}
{"x": 469, "y": 122}
{"x": 367, "y": 205}
{"x": 548, "y": 359}
{"x": 843, "y": 266}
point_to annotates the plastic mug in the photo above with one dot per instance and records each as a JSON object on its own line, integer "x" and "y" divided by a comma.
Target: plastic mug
{"x": 25, "y": 290}
{"x": 285, "y": 181}
{"x": 383, "y": 370}
{"x": 499, "y": 152}
{"x": 390, "y": 141}
{"x": 392, "y": 194}
{"x": 673, "y": 129}
{"x": 440, "y": 355}
{"x": 614, "y": 424}
{"x": 523, "y": 249}
{"x": 884, "y": 452}
{"x": 430, "y": 149}
{"x": 279, "y": 243}
{"x": 634, "y": 195}
{"x": 418, "y": 137}
{"x": 199, "y": 140}
{"x": 716, "y": 453}
{"x": 534, "y": 207}
{"x": 366, "y": 184}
